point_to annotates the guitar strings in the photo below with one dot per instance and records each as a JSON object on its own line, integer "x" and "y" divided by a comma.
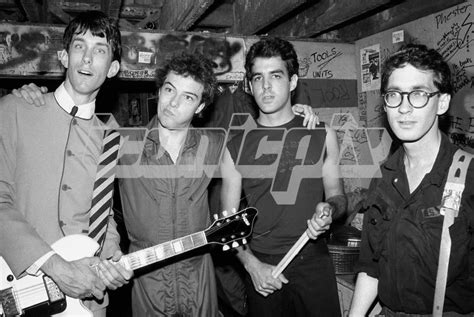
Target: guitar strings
{"x": 23, "y": 295}
{"x": 149, "y": 257}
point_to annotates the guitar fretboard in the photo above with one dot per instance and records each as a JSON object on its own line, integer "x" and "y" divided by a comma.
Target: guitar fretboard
{"x": 163, "y": 251}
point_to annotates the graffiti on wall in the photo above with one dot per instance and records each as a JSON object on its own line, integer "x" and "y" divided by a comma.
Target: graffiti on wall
{"x": 320, "y": 61}
{"x": 30, "y": 51}
{"x": 451, "y": 33}
{"x": 454, "y": 39}
{"x": 144, "y": 52}
{"x": 33, "y": 50}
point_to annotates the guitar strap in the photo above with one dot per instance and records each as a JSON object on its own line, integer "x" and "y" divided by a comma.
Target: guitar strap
{"x": 450, "y": 204}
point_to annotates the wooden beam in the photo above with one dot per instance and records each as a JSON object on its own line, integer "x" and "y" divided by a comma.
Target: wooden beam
{"x": 221, "y": 17}
{"x": 400, "y": 14}
{"x": 181, "y": 15}
{"x": 154, "y": 18}
{"x": 32, "y": 9}
{"x": 139, "y": 12}
{"x": 8, "y": 4}
{"x": 324, "y": 16}
{"x": 127, "y": 26}
{"x": 76, "y": 7}
{"x": 57, "y": 11}
{"x": 111, "y": 7}
{"x": 251, "y": 16}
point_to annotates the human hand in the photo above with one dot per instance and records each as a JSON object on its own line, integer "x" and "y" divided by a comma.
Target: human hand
{"x": 31, "y": 93}
{"x": 112, "y": 273}
{"x": 76, "y": 279}
{"x": 321, "y": 220}
{"x": 310, "y": 118}
{"x": 263, "y": 280}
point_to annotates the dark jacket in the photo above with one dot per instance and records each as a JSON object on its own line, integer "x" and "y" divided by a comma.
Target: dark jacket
{"x": 402, "y": 232}
{"x": 169, "y": 205}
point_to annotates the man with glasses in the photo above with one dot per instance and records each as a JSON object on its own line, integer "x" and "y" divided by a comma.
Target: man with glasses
{"x": 403, "y": 224}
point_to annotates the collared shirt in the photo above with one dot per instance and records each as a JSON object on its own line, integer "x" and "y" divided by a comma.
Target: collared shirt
{"x": 85, "y": 111}
{"x": 402, "y": 232}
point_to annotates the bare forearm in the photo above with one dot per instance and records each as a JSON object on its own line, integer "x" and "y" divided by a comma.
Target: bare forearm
{"x": 231, "y": 183}
{"x": 230, "y": 194}
{"x": 364, "y": 295}
{"x": 246, "y": 257}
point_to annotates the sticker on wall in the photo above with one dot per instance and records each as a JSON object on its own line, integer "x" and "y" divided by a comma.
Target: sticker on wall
{"x": 370, "y": 67}
{"x": 145, "y": 57}
{"x": 398, "y": 36}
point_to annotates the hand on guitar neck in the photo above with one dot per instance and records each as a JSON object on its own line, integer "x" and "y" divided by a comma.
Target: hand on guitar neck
{"x": 76, "y": 272}
{"x": 86, "y": 277}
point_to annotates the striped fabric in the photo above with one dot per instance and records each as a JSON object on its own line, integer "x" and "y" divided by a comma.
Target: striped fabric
{"x": 104, "y": 188}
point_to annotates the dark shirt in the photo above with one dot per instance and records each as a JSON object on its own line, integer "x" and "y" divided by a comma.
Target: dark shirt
{"x": 280, "y": 223}
{"x": 402, "y": 232}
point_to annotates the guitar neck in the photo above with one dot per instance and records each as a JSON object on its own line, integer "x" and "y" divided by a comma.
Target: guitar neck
{"x": 142, "y": 258}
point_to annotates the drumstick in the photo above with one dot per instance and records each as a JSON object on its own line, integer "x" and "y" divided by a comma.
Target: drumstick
{"x": 290, "y": 255}
{"x": 296, "y": 248}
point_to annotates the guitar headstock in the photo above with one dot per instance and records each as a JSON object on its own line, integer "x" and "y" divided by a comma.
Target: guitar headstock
{"x": 233, "y": 230}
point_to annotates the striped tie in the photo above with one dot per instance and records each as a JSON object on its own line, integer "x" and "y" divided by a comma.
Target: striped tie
{"x": 104, "y": 188}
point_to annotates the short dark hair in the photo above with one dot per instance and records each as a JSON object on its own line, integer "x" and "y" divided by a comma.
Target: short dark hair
{"x": 272, "y": 47}
{"x": 195, "y": 65}
{"x": 420, "y": 57}
{"x": 99, "y": 24}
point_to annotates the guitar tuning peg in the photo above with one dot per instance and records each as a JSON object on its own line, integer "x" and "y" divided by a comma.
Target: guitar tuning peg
{"x": 235, "y": 244}
{"x": 244, "y": 241}
{"x": 216, "y": 216}
{"x": 225, "y": 213}
{"x": 225, "y": 248}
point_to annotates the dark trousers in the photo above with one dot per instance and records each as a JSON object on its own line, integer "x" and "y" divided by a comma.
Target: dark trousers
{"x": 311, "y": 291}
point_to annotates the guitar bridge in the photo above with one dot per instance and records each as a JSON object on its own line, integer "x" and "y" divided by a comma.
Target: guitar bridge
{"x": 54, "y": 293}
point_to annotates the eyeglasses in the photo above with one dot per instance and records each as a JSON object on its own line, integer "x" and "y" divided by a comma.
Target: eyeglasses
{"x": 417, "y": 98}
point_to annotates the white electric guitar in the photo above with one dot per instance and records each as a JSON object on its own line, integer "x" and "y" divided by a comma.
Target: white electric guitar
{"x": 39, "y": 295}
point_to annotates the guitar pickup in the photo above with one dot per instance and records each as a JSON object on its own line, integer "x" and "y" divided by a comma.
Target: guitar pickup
{"x": 8, "y": 303}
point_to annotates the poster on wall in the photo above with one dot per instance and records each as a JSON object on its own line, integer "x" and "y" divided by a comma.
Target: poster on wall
{"x": 135, "y": 111}
{"x": 370, "y": 67}
{"x": 144, "y": 52}
{"x": 30, "y": 50}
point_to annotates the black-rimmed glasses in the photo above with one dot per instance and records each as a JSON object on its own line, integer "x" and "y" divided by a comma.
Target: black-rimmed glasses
{"x": 416, "y": 98}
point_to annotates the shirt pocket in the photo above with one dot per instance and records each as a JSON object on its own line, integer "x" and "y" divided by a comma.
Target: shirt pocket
{"x": 380, "y": 217}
